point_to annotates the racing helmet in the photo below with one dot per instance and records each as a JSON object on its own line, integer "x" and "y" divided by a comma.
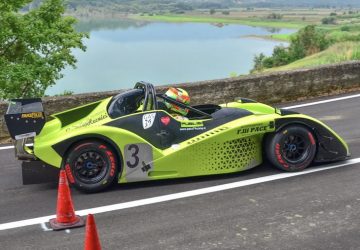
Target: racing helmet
{"x": 179, "y": 95}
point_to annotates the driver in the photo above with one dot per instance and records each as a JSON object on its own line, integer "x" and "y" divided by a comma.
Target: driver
{"x": 179, "y": 95}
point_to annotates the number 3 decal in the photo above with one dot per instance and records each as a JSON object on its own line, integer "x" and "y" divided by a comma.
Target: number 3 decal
{"x": 134, "y": 150}
{"x": 138, "y": 161}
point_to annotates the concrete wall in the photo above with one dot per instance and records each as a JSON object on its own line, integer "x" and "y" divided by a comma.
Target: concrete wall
{"x": 270, "y": 88}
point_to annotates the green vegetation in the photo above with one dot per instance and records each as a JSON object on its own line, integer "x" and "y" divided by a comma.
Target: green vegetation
{"x": 281, "y": 37}
{"x": 275, "y": 16}
{"x": 207, "y": 19}
{"x": 307, "y": 41}
{"x": 138, "y": 6}
{"x": 34, "y": 47}
{"x": 340, "y": 52}
{"x": 309, "y": 47}
{"x": 328, "y": 20}
{"x": 148, "y": 6}
{"x": 65, "y": 93}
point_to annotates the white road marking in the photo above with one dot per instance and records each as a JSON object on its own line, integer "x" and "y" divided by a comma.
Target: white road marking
{"x": 175, "y": 196}
{"x": 330, "y": 118}
{"x": 10, "y": 147}
{"x": 323, "y": 101}
{"x": 290, "y": 107}
{"x": 45, "y": 228}
{"x": 6, "y": 147}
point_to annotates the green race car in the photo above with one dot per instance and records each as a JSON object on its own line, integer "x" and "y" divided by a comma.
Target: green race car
{"x": 131, "y": 137}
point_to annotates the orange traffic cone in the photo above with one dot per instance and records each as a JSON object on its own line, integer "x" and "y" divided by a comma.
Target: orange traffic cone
{"x": 92, "y": 241}
{"x": 65, "y": 214}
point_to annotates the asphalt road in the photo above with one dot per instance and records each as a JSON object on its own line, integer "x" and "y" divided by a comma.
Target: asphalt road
{"x": 319, "y": 210}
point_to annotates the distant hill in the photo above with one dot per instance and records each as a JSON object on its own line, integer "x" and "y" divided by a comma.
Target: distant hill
{"x": 186, "y": 5}
{"x": 219, "y": 3}
{"x": 299, "y": 3}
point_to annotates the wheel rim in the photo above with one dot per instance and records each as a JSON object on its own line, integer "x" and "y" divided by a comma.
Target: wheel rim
{"x": 90, "y": 167}
{"x": 295, "y": 148}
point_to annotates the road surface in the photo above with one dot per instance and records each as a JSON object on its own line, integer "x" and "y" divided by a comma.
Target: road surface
{"x": 256, "y": 209}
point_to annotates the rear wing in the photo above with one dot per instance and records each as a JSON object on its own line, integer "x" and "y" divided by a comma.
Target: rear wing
{"x": 25, "y": 118}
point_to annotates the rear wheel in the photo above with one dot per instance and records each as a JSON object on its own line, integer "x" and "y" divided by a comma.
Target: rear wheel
{"x": 91, "y": 166}
{"x": 291, "y": 149}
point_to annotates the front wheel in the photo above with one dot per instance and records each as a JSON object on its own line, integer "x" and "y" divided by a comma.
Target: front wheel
{"x": 291, "y": 149}
{"x": 91, "y": 166}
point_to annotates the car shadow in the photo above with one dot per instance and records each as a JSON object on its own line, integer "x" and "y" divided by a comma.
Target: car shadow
{"x": 259, "y": 171}
{"x": 217, "y": 179}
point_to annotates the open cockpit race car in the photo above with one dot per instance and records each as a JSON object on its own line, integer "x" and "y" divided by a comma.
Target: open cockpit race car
{"x": 131, "y": 137}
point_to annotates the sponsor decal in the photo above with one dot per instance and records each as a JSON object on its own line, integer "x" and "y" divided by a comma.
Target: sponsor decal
{"x": 279, "y": 157}
{"x": 193, "y": 129}
{"x": 175, "y": 146}
{"x": 88, "y": 122}
{"x": 33, "y": 115}
{"x": 23, "y": 136}
{"x": 312, "y": 140}
{"x": 254, "y": 129}
{"x": 165, "y": 120}
{"x": 271, "y": 124}
{"x": 112, "y": 161}
{"x": 148, "y": 120}
{"x": 146, "y": 167}
{"x": 191, "y": 124}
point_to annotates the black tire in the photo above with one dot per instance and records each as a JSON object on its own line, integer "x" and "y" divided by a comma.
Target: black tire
{"x": 91, "y": 166}
{"x": 291, "y": 149}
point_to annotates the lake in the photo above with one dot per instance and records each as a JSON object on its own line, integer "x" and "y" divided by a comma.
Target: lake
{"x": 122, "y": 52}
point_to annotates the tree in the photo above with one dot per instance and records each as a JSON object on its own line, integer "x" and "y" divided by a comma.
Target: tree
{"x": 212, "y": 11}
{"x": 274, "y": 16}
{"x": 280, "y": 56}
{"x": 258, "y": 62}
{"x": 34, "y": 47}
{"x": 308, "y": 41}
{"x": 328, "y": 20}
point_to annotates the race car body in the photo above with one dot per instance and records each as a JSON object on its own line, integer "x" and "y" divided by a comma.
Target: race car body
{"x": 132, "y": 137}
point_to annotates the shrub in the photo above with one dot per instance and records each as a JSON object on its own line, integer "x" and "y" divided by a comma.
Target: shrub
{"x": 274, "y": 16}
{"x": 328, "y": 20}
{"x": 258, "y": 62}
{"x": 306, "y": 42}
{"x": 345, "y": 28}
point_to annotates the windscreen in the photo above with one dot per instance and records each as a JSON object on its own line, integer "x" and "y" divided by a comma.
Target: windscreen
{"x": 126, "y": 103}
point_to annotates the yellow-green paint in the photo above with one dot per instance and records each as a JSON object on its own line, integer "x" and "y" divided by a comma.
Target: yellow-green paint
{"x": 231, "y": 147}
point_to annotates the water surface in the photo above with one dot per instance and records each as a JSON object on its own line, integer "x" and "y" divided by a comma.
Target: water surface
{"x": 120, "y": 53}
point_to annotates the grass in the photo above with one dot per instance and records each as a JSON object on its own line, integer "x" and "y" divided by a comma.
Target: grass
{"x": 209, "y": 19}
{"x": 341, "y": 36}
{"x": 339, "y": 52}
{"x": 281, "y": 37}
